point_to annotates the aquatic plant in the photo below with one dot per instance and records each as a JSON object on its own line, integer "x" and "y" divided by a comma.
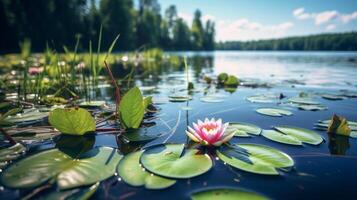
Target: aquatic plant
{"x": 209, "y": 132}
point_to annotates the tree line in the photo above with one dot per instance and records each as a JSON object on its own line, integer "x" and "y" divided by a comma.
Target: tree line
{"x": 321, "y": 42}
{"x": 59, "y": 23}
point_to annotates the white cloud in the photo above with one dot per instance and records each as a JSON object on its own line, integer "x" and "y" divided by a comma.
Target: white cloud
{"x": 330, "y": 27}
{"x": 243, "y": 29}
{"x": 348, "y": 17}
{"x": 325, "y": 16}
{"x": 208, "y": 17}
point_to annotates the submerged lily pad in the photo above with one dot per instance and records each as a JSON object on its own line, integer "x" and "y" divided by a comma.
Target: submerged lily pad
{"x": 85, "y": 169}
{"x": 11, "y": 153}
{"x": 243, "y": 129}
{"x": 304, "y": 135}
{"x": 133, "y": 174}
{"x": 255, "y": 158}
{"x": 226, "y": 194}
{"x": 280, "y": 137}
{"x": 73, "y": 121}
{"x": 173, "y": 161}
{"x": 274, "y": 112}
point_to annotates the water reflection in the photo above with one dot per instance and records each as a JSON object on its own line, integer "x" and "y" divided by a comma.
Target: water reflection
{"x": 337, "y": 144}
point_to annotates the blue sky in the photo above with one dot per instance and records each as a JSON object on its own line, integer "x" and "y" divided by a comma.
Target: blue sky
{"x": 259, "y": 19}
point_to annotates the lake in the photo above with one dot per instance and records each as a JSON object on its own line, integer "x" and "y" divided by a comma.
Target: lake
{"x": 323, "y": 171}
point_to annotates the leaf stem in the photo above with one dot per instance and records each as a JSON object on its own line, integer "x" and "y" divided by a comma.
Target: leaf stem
{"x": 117, "y": 89}
{"x": 8, "y": 137}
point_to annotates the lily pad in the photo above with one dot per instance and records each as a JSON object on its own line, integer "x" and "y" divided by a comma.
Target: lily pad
{"x": 226, "y": 194}
{"x": 73, "y": 121}
{"x": 263, "y": 98}
{"x": 304, "y": 135}
{"x": 243, "y": 129}
{"x": 303, "y": 100}
{"x": 274, "y": 112}
{"x": 333, "y": 97}
{"x": 77, "y": 193}
{"x": 31, "y": 134}
{"x": 92, "y": 104}
{"x": 179, "y": 98}
{"x": 85, "y": 169}
{"x": 211, "y": 99}
{"x": 173, "y": 161}
{"x": 311, "y": 107}
{"x": 28, "y": 115}
{"x": 280, "y": 137}
{"x": 255, "y": 158}
{"x": 11, "y": 153}
{"x": 133, "y": 174}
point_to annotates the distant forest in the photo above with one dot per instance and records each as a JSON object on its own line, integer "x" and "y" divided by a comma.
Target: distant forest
{"x": 321, "y": 42}
{"x": 59, "y": 23}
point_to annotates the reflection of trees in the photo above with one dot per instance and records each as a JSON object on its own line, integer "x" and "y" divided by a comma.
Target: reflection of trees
{"x": 201, "y": 62}
{"x": 338, "y": 145}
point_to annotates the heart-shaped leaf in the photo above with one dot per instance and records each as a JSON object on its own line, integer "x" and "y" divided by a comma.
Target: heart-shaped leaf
{"x": 170, "y": 160}
{"x": 132, "y": 173}
{"x": 274, "y": 112}
{"x": 86, "y": 169}
{"x": 73, "y": 121}
{"x": 256, "y": 158}
{"x": 243, "y": 129}
{"x": 304, "y": 135}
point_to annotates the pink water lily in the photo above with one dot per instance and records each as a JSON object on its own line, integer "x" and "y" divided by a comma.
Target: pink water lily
{"x": 209, "y": 132}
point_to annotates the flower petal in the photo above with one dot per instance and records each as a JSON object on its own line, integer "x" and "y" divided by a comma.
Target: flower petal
{"x": 192, "y": 137}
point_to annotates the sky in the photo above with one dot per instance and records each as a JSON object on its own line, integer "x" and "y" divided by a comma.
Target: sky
{"x": 261, "y": 19}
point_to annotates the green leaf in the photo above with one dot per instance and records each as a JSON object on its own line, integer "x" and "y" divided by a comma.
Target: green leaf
{"x": 226, "y": 194}
{"x": 147, "y": 101}
{"x": 169, "y": 161}
{"x": 92, "y": 104}
{"x": 74, "y": 194}
{"x": 243, "y": 129}
{"x": 11, "y": 153}
{"x": 280, "y": 137}
{"x": 263, "y": 98}
{"x": 133, "y": 174}
{"x": 311, "y": 107}
{"x": 7, "y": 115}
{"x": 304, "y": 135}
{"x": 132, "y": 108}
{"x": 86, "y": 169}
{"x": 303, "y": 100}
{"x": 333, "y": 97}
{"x": 73, "y": 121}
{"x": 231, "y": 81}
{"x": 222, "y": 77}
{"x": 255, "y": 158}
{"x": 274, "y": 112}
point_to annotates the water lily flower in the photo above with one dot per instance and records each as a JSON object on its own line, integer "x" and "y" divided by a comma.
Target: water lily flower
{"x": 35, "y": 70}
{"x": 209, "y": 132}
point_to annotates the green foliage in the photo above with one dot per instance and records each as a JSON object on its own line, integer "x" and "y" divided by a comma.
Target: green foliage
{"x": 326, "y": 42}
{"x": 132, "y": 108}
{"x": 222, "y": 77}
{"x": 226, "y": 194}
{"x": 231, "y": 81}
{"x": 73, "y": 121}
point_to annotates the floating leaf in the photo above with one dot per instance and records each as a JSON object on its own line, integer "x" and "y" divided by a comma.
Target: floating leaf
{"x": 78, "y": 193}
{"x": 275, "y": 112}
{"x": 304, "y": 135}
{"x": 30, "y": 134}
{"x": 211, "y": 99}
{"x": 132, "y": 173}
{"x": 303, "y": 100}
{"x": 28, "y": 115}
{"x": 226, "y": 194}
{"x": 10, "y": 153}
{"x": 179, "y": 98}
{"x": 132, "y": 108}
{"x": 333, "y": 97}
{"x": 263, "y": 98}
{"x": 85, "y": 169}
{"x": 73, "y": 121}
{"x": 169, "y": 161}
{"x": 257, "y": 159}
{"x": 92, "y": 104}
{"x": 243, "y": 129}
{"x": 311, "y": 107}
{"x": 280, "y": 137}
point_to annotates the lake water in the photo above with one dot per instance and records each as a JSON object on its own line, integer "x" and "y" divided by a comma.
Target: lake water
{"x": 325, "y": 171}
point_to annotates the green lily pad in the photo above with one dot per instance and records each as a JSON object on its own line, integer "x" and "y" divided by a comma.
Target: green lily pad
{"x": 179, "y": 98}
{"x": 85, "y": 169}
{"x": 304, "y": 135}
{"x": 274, "y": 112}
{"x": 133, "y": 174}
{"x": 243, "y": 129}
{"x": 226, "y": 194}
{"x": 30, "y": 134}
{"x": 263, "y": 98}
{"x": 92, "y": 104}
{"x": 333, "y": 97}
{"x": 303, "y": 100}
{"x": 325, "y": 123}
{"x": 78, "y": 193}
{"x": 255, "y": 158}
{"x": 28, "y": 115}
{"x": 280, "y": 137}
{"x": 11, "y": 153}
{"x": 311, "y": 107}
{"x": 73, "y": 121}
{"x": 173, "y": 161}
{"x": 211, "y": 99}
